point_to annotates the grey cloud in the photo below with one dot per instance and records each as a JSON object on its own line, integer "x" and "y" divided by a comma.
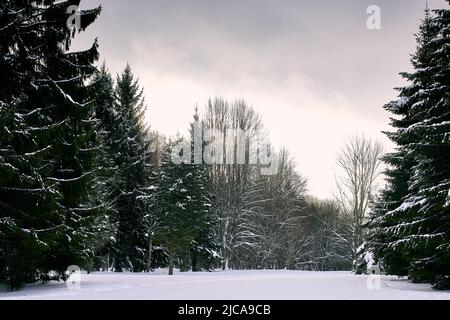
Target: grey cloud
{"x": 281, "y": 51}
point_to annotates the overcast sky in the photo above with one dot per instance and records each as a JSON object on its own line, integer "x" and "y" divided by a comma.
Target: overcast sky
{"x": 312, "y": 69}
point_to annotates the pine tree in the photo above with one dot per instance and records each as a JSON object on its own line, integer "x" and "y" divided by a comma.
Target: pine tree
{"x": 47, "y": 150}
{"x": 108, "y": 177}
{"x": 384, "y": 218}
{"x": 204, "y": 246}
{"x": 182, "y": 206}
{"x": 132, "y": 157}
{"x": 410, "y": 228}
{"x": 429, "y": 141}
{"x": 393, "y": 259}
{"x": 170, "y": 197}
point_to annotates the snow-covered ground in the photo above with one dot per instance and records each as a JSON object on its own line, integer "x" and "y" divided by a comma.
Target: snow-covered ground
{"x": 232, "y": 285}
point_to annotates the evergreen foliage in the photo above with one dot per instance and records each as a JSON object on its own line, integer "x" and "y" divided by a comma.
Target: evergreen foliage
{"x": 410, "y": 224}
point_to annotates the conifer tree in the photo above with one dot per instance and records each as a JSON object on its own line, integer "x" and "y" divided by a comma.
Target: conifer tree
{"x": 47, "y": 152}
{"x": 204, "y": 246}
{"x": 108, "y": 177}
{"x": 410, "y": 226}
{"x": 132, "y": 156}
{"x": 182, "y": 207}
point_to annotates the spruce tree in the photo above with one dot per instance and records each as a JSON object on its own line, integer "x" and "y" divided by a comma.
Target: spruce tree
{"x": 47, "y": 152}
{"x": 182, "y": 208}
{"x": 131, "y": 152}
{"x": 410, "y": 226}
{"x": 108, "y": 176}
{"x": 429, "y": 138}
{"x": 204, "y": 246}
{"x": 385, "y": 218}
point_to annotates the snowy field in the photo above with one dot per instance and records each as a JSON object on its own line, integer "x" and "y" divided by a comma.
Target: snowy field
{"x": 230, "y": 285}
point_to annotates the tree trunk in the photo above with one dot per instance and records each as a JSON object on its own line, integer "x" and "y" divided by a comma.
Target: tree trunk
{"x": 106, "y": 266}
{"x": 170, "y": 263}
{"x": 194, "y": 259}
{"x": 118, "y": 265}
{"x": 225, "y": 265}
{"x": 149, "y": 259}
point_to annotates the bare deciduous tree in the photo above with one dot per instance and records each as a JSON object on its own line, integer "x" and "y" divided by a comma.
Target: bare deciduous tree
{"x": 232, "y": 184}
{"x": 360, "y": 162}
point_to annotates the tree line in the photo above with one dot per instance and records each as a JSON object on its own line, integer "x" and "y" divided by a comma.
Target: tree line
{"x": 85, "y": 181}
